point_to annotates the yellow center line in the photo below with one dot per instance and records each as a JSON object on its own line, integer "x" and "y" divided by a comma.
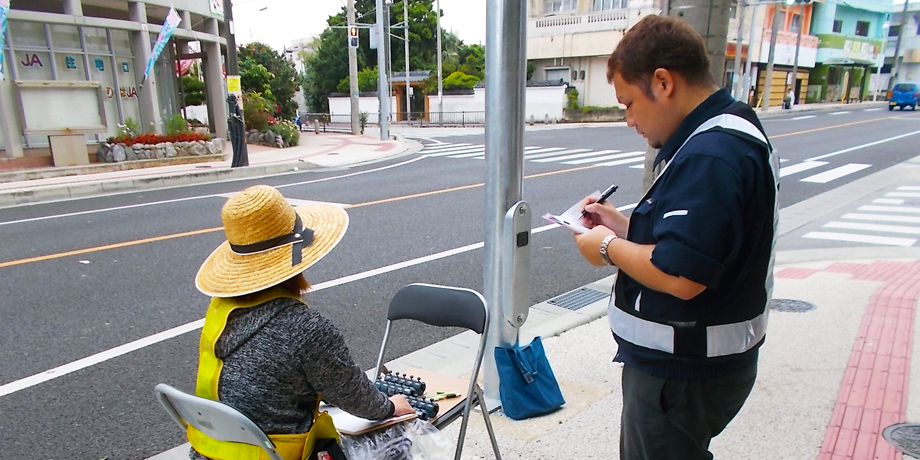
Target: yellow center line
{"x": 219, "y": 229}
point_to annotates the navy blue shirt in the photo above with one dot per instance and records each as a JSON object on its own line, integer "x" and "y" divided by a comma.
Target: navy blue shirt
{"x": 710, "y": 217}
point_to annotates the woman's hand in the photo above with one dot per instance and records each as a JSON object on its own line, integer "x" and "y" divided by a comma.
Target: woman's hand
{"x": 401, "y": 406}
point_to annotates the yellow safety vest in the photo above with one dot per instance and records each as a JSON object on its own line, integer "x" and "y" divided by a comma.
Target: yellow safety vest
{"x": 290, "y": 446}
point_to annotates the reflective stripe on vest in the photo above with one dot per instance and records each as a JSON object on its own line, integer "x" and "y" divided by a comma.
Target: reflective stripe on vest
{"x": 289, "y": 446}
{"x": 721, "y": 339}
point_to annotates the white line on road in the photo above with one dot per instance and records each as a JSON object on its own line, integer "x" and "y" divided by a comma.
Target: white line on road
{"x": 444, "y": 146}
{"x": 638, "y": 167}
{"x": 909, "y": 188}
{"x": 871, "y": 110}
{"x": 884, "y": 240}
{"x": 888, "y": 201}
{"x": 804, "y": 117}
{"x": 482, "y": 151}
{"x": 828, "y": 155}
{"x": 836, "y": 173}
{"x": 120, "y": 350}
{"x": 553, "y": 154}
{"x": 803, "y": 166}
{"x": 633, "y": 156}
{"x": 904, "y": 194}
{"x": 880, "y": 218}
{"x": 574, "y": 156}
{"x": 904, "y": 209}
{"x": 839, "y": 113}
{"x": 875, "y": 227}
{"x": 624, "y": 161}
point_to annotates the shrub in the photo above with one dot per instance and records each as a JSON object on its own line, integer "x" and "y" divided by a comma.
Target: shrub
{"x": 287, "y": 130}
{"x": 362, "y": 120}
{"x": 255, "y": 111}
{"x": 131, "y": 128}
{"x": 459, "y": 79}
{"x": 572, "y": 95}
{"x": 176, "y": 125}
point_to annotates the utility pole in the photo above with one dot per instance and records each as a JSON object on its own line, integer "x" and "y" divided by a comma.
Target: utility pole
{"x": 795, "y": 63}
{"x": 353, "y": 70}
{"x": 897, "y": 48}
{"x": 383, "y": 95}
{"x": 750, "y": 57}
{"x": 440, "y": 86}
{"x": 233, "y": 70}
{"x": 768, "y": 81}
{"x": 406, "y": 43}
{"x": 737, "y": 90}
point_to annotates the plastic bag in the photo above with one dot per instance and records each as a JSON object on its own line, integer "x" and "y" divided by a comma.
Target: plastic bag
{"x": 411, "y": 440}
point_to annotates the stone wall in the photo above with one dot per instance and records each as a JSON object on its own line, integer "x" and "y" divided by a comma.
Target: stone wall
{"x": 590, "y": 115}
{"x": 115, "y": 153}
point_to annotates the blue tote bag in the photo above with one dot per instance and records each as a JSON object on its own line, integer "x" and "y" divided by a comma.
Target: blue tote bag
{"x": 527, "y": 386}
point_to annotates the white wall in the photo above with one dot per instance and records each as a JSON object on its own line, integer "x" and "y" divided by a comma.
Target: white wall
{"x": 598, "y": 92}
{"x": 540, "y": 103}
{"x": 199, "y": 112}
{"x": 340, "y": 108}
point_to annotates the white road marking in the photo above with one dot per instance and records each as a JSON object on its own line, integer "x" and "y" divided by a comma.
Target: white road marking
{"x": 871, "y": 110}
{"x": 836, "y": 173}
{"x": 451, "y": 153}
{"x": 909, "y": 188}
{"x": 882, "y": 218}
{"x": 548, "y": 149}
{"x": 855, "y": 238}
{"x": 638, "y": 167}
{"x": 446, "y": 146}
{"x": 575, "y": 155}
{"x": 295, "y": 202}
{"x": 875, "y": 227}
{"x": 888, "y": 201}
{"x": 904, "y": 194}
{"x": 624, "y": 161}
{"x": 828, "y": 155}
{"x": 804, "y": 117}
{"x": 631, "y": 155}
{"x": 839, "y": 113}
{"x": 551, "y": 154}
{"x": 120, "y": 350}
{"x": 904, "y": 209}
{"x": 804, "y": 166}
{"x": 482, "y": 152}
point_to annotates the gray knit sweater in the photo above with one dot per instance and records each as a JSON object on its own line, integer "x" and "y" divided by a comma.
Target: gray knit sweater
{"x": 278, "y": 356}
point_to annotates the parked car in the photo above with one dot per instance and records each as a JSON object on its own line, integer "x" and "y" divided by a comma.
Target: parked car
{"x": 903, "y": 95}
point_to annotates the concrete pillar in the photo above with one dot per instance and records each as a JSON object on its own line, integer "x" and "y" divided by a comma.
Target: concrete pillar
{"x": 74, "y": 7}
{"x": 214, "y": 83}
{"x": 141, "y": 46}
{"x": 186, "y": 20}
{"x": 9, "y": 119}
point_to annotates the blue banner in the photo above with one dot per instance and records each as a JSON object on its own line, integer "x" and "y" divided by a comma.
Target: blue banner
{"x": 172, "y": 21}
{"x": 4, "y": 7}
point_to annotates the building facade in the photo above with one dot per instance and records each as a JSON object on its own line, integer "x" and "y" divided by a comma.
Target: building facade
{"x": 907, "y": 25}
{"x": 55, "y": 49}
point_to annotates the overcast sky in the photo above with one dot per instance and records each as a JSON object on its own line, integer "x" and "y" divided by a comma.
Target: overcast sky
{"x": 282, "y": 21}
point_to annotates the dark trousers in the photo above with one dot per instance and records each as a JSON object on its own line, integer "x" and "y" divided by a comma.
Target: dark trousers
{"x": 666, "y": 419}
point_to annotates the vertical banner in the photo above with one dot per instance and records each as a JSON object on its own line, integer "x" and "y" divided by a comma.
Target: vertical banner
{"x": 172, "y": 21}
{"x": 4, "y": 7}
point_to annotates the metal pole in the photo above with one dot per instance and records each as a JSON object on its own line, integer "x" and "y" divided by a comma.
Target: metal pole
{"x": 440, "y": 81}
{"x": 406, "y": 43}
{"x": 897, "y": 48}
{"x": 736, "y": 83}
{"x": 233, "y": 69}
{"x": 768, "y": 81}
{"x": 881, "y": 62}
{"x": 383, "y": 95}
{"x": 352, "y": 71}
{"x": 750, "y": 57}
{"x": 795, "y": 63}
{"x": 506, "y": 26}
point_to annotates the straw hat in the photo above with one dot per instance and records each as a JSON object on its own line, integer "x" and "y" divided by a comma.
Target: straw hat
{"x": 264, "y": 234}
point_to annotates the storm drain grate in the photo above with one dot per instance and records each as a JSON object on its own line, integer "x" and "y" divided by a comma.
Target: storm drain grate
{"x": 577, "y": 299}
{"x": 793, "y": 306}
{"x": 904, "y": 437}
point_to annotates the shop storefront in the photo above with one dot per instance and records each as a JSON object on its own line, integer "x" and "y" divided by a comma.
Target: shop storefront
{"x": 92, "y": 62}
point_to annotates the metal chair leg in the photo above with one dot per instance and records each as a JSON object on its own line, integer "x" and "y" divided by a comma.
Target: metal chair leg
{"x": 468, "y": 404}
{"x": 485, "y": 416}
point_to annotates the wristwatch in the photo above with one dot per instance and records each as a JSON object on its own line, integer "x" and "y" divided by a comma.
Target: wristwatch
{"x": 603, "y": 250}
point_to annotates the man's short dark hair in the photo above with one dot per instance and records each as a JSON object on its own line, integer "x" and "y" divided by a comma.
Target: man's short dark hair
{"x": 660, "y": 42}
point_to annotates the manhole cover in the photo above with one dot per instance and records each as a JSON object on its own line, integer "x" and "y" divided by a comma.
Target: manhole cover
{"x": 794, "y": 306}
{"x": 577, "y": 299}
{"x": 904, "y": 437}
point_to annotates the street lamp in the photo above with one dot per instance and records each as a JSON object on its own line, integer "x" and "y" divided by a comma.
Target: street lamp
{"x": 881, "y": 60}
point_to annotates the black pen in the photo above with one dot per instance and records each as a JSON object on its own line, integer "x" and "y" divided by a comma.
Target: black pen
{"x": 602, "y": 199}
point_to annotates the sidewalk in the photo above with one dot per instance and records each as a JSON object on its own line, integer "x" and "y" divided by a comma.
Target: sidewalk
{"x": 316, "y": 151}
{"x": 831, "y": 378}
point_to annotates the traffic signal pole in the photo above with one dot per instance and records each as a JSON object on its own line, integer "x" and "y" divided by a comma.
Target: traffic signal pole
{"x": 795, "y": 63}
{"x": 352, "y": 37}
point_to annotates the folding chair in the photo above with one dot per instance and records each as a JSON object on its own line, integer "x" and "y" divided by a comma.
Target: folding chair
{"x": 213, "y": 418}
{"x": 446, "y": 307}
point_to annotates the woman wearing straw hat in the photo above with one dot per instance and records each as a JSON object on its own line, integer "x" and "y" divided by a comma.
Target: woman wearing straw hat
{"x": 262, "y": 351}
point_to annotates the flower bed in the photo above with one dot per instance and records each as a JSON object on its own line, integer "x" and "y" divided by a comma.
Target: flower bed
{"x": 150, "y": 146}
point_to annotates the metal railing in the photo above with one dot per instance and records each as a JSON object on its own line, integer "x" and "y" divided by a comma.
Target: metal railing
{"x": 341, "y": 122}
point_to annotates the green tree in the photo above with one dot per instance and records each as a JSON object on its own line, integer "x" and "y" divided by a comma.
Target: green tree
{"x": 458, "y": 80}
{"x": 193, "y": 89}
{"x": 283, "y": 81}
{"x": 255, "y": 78}
{"x": 367, "y": 81}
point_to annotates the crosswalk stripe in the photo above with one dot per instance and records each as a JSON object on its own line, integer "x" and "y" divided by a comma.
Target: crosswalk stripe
{"x": 796, "y": 168}
{"x": 452, "y": 152}
{"x": 882, "y": 218}
{"x": 804, "y": 117}
{"x": 909, "y": 188}
{"x": 631, "y": 155}
{"x": 903, "y": 194}
{"x": 856, "y": 238}
{"x": 548, "y": 149}
{"x": 638, "y": 166}
{"x": 551, "y": 154}
{"x": 623, "y": 162}
{"x": 888, "y": 201}
{"x": 904, "y": 209}
{"x": 481, "y": 152}
{"x": 441, "y": 147}
{"x": 575, "y": 155}
{"x": 836, "y": 173}
{"x": 875, "y": 227}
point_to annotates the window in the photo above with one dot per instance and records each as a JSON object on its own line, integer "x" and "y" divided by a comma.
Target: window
{"x": 838, "y": 26}
{"x": 555, "y": 6}
{"x": 862, "y": 28}
{"x": 894, "y": 30}
{"x": 796, "y": 23}
{"x": 556, "y": 74}
{"x": 600, "y": 5}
